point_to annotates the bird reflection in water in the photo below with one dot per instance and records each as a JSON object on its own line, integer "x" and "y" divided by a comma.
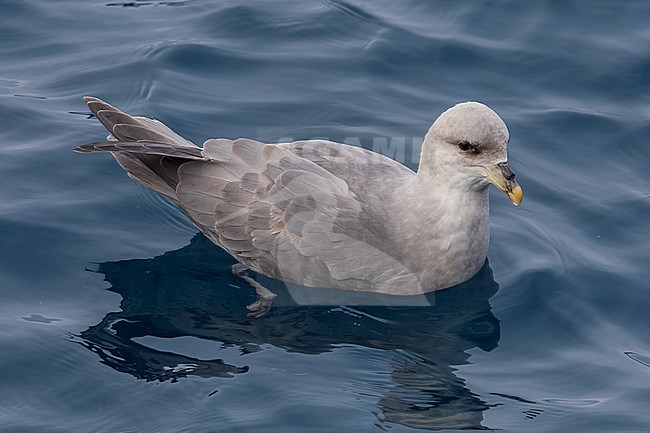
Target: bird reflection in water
{"x": 191, "y": 292}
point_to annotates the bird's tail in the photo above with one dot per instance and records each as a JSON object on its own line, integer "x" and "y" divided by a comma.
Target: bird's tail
{"x": 148, "y": 150}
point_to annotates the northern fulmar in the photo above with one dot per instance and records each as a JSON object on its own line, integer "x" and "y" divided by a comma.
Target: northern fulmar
{"x": 323, "y": 214}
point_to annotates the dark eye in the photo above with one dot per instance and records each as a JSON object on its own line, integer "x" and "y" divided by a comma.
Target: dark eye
{"x": 464, "y": 146}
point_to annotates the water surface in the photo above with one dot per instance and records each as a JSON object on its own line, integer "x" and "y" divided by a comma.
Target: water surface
{"x": 117, "y": 316}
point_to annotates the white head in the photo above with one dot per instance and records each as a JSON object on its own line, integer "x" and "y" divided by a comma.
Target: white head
{"x": 467, "y": 147}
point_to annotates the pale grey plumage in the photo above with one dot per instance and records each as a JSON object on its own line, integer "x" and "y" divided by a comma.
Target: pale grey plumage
{"x": 318, "y": 213}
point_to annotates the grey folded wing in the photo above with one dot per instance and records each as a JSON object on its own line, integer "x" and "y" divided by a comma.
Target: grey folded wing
{"x": 285, "y": 216}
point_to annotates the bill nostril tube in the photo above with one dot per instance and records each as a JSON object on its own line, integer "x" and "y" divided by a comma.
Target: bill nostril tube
{"x": 505, "y": 169}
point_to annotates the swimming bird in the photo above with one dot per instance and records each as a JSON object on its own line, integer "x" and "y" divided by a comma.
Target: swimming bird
{"x": 323, "y": 214}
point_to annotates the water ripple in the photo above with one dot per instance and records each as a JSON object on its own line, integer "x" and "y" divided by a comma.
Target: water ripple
{"x": 572, "y": 83}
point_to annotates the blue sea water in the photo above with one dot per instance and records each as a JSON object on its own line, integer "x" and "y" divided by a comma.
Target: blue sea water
{"x": 116, "y": 316}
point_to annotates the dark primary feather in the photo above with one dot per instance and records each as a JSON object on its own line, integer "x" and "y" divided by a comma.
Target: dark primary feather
{"x": 144, "y": 147}
{"x": 148, "y": 150}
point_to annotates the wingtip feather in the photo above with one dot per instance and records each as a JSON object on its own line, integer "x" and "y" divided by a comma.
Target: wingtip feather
{"x": 82, "y": 149}
{"x": 89, "y": 99}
